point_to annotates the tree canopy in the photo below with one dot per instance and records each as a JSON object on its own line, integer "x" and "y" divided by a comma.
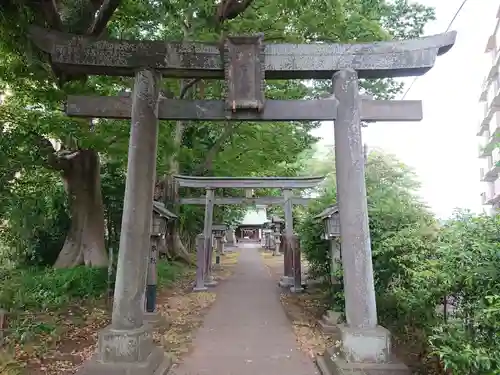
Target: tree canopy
{"x": 40, "y": 144}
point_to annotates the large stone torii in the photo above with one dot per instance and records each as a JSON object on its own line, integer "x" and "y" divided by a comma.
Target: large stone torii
{"x": 286, "y": 184}
{"x": 126, "y": 347}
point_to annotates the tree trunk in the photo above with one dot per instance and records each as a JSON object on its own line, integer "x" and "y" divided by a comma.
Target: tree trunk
{"x": 176, "y": 248}
{"x": 167, "y": 190}
{"x": 85, "y": 240}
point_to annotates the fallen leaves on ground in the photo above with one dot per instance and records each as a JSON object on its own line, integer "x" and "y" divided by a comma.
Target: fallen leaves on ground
{"x": 184, "y": 311}
{"x": 61, "y": 349}
{"x": 304, "y": 310}
{"x": 72, "y": 336}
{"x": 184, "y": 314}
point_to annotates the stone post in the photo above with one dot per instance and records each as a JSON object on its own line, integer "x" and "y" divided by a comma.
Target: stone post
{"x": 151, "y": 314}
{"x": 230, "y": 236}
{"x": 207, "y": 233}
{"x": 277, "y": 244}
{"x": 151, "y": 283}
{"x": 223, "y": 242}
{"x": 363, "y": 341}
{"x": 218, "y": 249}
{"x": 200, "y": 264}
{"x": 297, "y": 269}
{"x": 126, "y": 347}
{"x": 335, "y": 259}
{"x": 287, "y": 278}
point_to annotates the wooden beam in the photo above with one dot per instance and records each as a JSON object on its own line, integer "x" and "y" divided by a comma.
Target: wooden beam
{"x": 249, "y": 182}
{"x": 227, "y": 201}
{"x": 118, "y": 107}
{"x": 76, "y": 54}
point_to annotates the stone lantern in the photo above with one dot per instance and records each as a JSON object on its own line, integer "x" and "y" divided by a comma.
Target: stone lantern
{"x": 278, "y": 225}
{"x": 158, "y": 230}
{"x": 266, "y": 235}
{"x": 218, "y": 231}
{"x": 331, "y": 232}
{"x": 159, "y": 223}
{"x": 331, "y": 222}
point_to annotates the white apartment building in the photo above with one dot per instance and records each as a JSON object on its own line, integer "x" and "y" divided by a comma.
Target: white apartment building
{"x": 489, "y": 126}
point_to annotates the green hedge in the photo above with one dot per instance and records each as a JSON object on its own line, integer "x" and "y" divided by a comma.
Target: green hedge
{"x": 419, "y": 263}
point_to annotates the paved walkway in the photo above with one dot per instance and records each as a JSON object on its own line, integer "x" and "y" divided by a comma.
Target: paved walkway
{"x": 246, "y": 332}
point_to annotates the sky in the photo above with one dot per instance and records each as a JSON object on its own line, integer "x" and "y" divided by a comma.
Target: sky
{"x": 443, "y": 147}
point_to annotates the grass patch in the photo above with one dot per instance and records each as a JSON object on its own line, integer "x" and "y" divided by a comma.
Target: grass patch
{"x": 54, "y": 315}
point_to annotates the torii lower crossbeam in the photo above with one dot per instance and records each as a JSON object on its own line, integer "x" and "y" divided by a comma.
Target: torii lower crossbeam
{"x": 119, "y": 107}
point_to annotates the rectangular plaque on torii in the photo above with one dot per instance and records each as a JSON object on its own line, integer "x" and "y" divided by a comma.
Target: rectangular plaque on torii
{"x": 244, "y": 73}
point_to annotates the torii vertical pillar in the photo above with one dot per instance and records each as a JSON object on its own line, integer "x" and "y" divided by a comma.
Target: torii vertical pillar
{"x": 287, "y": 279}
{"x": 207, "y": 233}
{"x": 126, "y": 347}
{"x": 363, "y": 341}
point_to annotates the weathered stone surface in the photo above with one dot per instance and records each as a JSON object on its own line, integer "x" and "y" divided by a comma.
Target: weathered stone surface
{"x": 207, "y": 235}
{"x": 230, "y": 236}
{"x": 367, "y": 345}
{"x": 125, "y": 346}
{"x": 248, "y": 182}
{"x": 200, "y": 264}
{"x": 296, "y": 265}
{"x": 244, "y": 73}
{"x": 118, "y": 107}
{"x": 80, "y": 54}
{"x": 277, "y": 244}
{"x": 287, "y": 259}
{"x": 339, "y": 366}
{"x": 352, "y": 201}
{"x": 136, "y": 222}
{"x": 329, "y": 323}
{"x": 157, "y": 363}
{"x": 286, "y": 281}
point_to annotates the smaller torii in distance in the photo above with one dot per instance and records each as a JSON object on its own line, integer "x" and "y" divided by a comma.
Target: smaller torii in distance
{"x": 286, "y": 184}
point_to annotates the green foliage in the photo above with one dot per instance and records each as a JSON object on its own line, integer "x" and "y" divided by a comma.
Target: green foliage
{"x": 41, "y": 289}
{"x": 32, "y": 289}
{"x": 36, "y": 219}
{"x": 468, "y": 271}
{"x": 418, "y": 264}
{"x": 31, "y": 113}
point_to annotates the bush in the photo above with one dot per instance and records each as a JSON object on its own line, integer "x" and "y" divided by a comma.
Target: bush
{"x": 419, "y": 264}
{"x": 469, "y": 270}
{"x": 42, "y": 289}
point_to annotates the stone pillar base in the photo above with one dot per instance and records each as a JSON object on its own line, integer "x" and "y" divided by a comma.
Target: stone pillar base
{"x": 329, "y": 324}
{"x": 294, "y": 289}
{"x": 127, "y": 352}
{"x": 277, "y": 254}
{"x": 365, "y": 344}
{"x": 155, "y": 319}
{"x": 200, "y": 289}
{"x": 339, "y": 366}
{"x": 209, "y": 281}
{"x": 286, "y": 281}
{"x": 363, "y": 351}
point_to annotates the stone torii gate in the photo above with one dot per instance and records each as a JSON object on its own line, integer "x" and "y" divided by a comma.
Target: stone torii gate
{"x": 126, "y": 347}
{"x": 286, "y": 184}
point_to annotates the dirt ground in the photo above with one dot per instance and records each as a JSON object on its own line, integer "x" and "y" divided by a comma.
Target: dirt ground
{"x": 74, "y": 341}
{"x": 305, "y": 309}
